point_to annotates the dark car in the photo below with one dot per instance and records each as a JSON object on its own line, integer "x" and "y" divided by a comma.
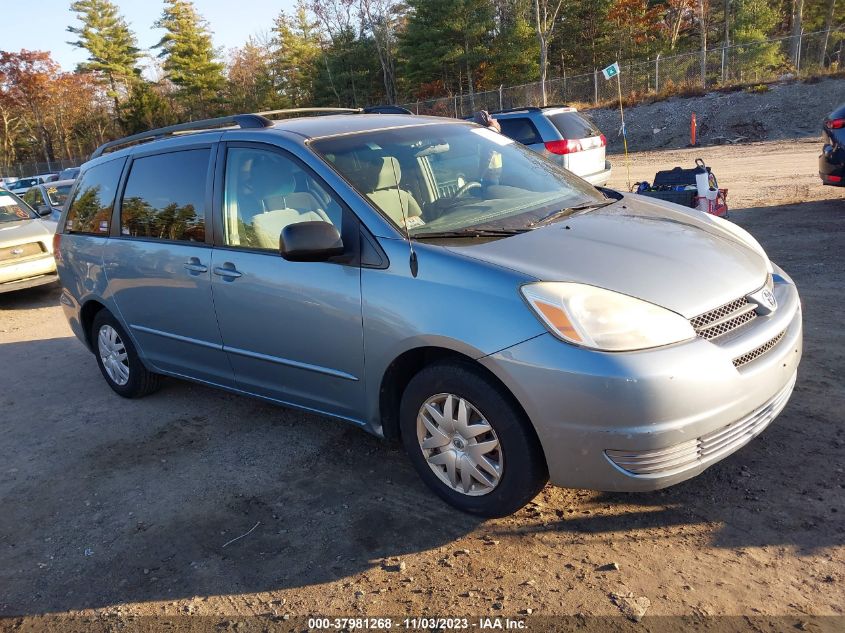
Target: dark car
{"x": 832, "y": 160}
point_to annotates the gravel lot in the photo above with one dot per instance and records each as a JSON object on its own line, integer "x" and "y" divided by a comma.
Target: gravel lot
{"x": 114, "y": 508}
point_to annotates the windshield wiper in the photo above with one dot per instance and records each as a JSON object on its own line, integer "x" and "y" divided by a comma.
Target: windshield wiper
{"x": 470, "y": 233}
{"x": 562, "y": 213}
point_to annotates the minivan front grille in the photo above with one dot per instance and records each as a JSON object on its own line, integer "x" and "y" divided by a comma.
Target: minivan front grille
{"x": 20, "y": 251}
{"x": 724, "y": 319}
{"x": 757, "y": 352}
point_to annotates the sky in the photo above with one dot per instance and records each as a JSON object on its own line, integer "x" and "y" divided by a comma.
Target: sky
{"x": 42, "y": 24}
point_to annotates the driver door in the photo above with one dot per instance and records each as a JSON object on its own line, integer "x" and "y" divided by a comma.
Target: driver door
{"x": 292, "y": 330}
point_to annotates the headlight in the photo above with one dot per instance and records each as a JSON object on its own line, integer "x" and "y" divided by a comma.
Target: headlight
{"x": 604, "y": 320}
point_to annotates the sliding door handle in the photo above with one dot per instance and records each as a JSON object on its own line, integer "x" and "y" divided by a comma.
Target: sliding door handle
{"x": 227, "y": 271}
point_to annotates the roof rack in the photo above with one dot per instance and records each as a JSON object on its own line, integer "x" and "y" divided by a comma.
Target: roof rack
{"x": 531, "y": 108}
{"x": 243, "y": 121}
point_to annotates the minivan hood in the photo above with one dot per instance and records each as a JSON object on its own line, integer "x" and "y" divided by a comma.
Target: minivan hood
{"x": 671, "y": 256}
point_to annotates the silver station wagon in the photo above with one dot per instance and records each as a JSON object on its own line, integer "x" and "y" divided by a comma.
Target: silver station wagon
{"x": 431, "y": 281}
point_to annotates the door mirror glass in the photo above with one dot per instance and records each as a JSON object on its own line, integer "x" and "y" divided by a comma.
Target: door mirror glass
{"x": 43, "y": 210}
{"x": 313, "y": 241}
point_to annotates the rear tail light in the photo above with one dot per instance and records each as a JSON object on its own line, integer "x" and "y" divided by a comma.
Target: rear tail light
{"x": 57, "y": 242}
{"x": 833, "y": 178}
{"x": 835, "y": 124}
{"x": 603, "y": 140}
{"x": 566, "y": 146}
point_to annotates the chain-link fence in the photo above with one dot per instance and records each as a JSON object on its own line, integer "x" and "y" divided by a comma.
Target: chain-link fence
{"x": 24, "y": 170}
{"x": 809, "y": 53}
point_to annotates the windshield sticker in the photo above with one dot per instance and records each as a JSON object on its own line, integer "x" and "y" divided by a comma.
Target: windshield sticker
{"x": 104, "y": 226}
{"x": 414, "y": 221}
{"x": 52, "y": 190}
{"x": 490, "y": 135}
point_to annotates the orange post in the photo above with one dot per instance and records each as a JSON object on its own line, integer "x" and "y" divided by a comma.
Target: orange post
{"x": 693, "y": 126}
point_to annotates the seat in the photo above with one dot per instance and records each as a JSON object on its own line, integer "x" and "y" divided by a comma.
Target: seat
{"x": 384, "y": 191}
{"x": 280, "y": 205}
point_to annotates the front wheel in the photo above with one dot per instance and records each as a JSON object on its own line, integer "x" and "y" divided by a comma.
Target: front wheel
{"x": 118, "y": 359}
{"x": 469, "y": 442}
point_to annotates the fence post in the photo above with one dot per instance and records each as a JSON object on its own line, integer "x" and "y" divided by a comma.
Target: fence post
{"x": 596, "y": 86}
{"x": 657, "y": 73}
{"x": 798, "y": 55}
{"x": 456, "y": 107}
{"x": 418, "y": 107}
{"x": 724, "y": 50}
{"x": 501, "y": 86}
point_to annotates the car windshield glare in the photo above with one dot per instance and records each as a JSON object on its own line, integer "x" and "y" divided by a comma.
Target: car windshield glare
{"x": 453, "y": 177}
{"x": 12, "y": 208}
{"x": 58, "y": 195}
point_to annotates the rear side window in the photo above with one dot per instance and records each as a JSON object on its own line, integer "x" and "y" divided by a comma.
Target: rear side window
{"x": 573, "y": 125}
{"x": 520, "y": 130}
{"x": 164, "y": 197}
{"x": 91, "y": 208}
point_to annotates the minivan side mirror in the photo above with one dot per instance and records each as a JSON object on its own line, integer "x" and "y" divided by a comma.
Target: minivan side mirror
{"x": 310, "y": 242}
{"x": 43, "y": 210}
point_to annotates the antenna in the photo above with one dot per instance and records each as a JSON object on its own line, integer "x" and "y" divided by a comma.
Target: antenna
{"x": 413, "y": 259}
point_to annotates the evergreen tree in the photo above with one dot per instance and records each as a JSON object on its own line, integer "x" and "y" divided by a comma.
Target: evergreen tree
{"x": 294, "y": 56}
{"x": 189, "y": 57}
{"x": 447, "y": 40}
{"x": 112, "y": 49}
{"x": 754, "y": 21}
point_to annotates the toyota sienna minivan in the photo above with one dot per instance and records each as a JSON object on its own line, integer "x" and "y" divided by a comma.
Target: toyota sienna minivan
{"x": 432, "y": 281}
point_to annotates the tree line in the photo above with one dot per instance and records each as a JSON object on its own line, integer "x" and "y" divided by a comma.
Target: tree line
{"x": 352, "y": 53}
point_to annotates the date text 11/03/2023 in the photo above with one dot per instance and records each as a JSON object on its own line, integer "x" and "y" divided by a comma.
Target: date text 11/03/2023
{"x": 484, "y": 623}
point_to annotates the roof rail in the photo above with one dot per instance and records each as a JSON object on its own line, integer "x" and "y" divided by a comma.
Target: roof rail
{"x": 522, "y": 109}
{"x": 243, "y": 121}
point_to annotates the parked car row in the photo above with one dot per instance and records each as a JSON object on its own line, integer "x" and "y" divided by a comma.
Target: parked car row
{"x": 26, "y": 245}
{"x": 21, "y": 185}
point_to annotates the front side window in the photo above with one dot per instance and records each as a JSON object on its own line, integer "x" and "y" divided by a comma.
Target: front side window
{"x": 265, "y": 192}
{"x": 453, "y": 177}
{"x": 33, "y": 197}
{"x": 91, "y": 208}
{"x": 164, "y": 197}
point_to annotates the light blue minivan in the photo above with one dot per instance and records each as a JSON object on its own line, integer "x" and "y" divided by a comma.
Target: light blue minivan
{"x": 432, "y": 281}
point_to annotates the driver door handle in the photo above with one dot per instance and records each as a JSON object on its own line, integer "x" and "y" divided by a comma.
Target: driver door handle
{"x": 194, "y": 266}
{"x": 227, "y": 271}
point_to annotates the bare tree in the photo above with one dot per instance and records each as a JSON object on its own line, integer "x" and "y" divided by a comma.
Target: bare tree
{"x": 545, "y": 18}
{"x": 380, "y": 18}
{"x": 702, "y": 18}
{"x": 828, "y": 24}
{"x": 797, "y": 28}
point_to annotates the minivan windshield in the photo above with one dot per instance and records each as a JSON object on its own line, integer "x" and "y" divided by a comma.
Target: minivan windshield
{"x": 13, "y": 209}
{"x": 454, "y": 177}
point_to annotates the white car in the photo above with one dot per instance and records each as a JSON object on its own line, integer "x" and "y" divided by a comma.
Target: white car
{"x": 26, "y": 246}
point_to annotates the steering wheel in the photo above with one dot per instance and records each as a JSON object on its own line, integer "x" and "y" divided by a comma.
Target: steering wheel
{"x": 467, "y": 186}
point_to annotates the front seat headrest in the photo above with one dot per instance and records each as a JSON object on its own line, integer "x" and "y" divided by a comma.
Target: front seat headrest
{"x": 389, "y": 174}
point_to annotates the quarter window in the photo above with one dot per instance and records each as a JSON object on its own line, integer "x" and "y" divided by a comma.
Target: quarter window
{"x": 520, "y": 130}
{"x": 265, "y": 192}
{"x": 164, "y": 197}
{"x": 91, "y": 208}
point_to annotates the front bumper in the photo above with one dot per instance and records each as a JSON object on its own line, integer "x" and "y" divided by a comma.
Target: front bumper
{"x": 650, "y": 419}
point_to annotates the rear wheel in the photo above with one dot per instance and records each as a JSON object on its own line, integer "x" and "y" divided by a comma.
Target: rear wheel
{"x": 469, "y": 442}
{"x": 118, "y": 359}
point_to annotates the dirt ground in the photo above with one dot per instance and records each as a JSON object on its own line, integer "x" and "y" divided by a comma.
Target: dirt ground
{"x": 727, "y": 117}
{"x": 112, "y": 509}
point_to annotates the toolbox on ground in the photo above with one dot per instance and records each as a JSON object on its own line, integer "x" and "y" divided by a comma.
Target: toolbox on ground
{"x": 696, "y": 188}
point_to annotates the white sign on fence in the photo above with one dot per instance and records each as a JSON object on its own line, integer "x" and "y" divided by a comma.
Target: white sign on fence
{"x": 611, "y": 71}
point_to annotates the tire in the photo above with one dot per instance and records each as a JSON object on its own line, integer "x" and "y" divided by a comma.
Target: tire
{"x": 518, "y": 458}
{"x": 139, "y": 381}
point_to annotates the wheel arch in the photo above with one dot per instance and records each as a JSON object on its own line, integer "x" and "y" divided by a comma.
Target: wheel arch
{"x": 87, "y": 313}
{"x": 410, "y": 362}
